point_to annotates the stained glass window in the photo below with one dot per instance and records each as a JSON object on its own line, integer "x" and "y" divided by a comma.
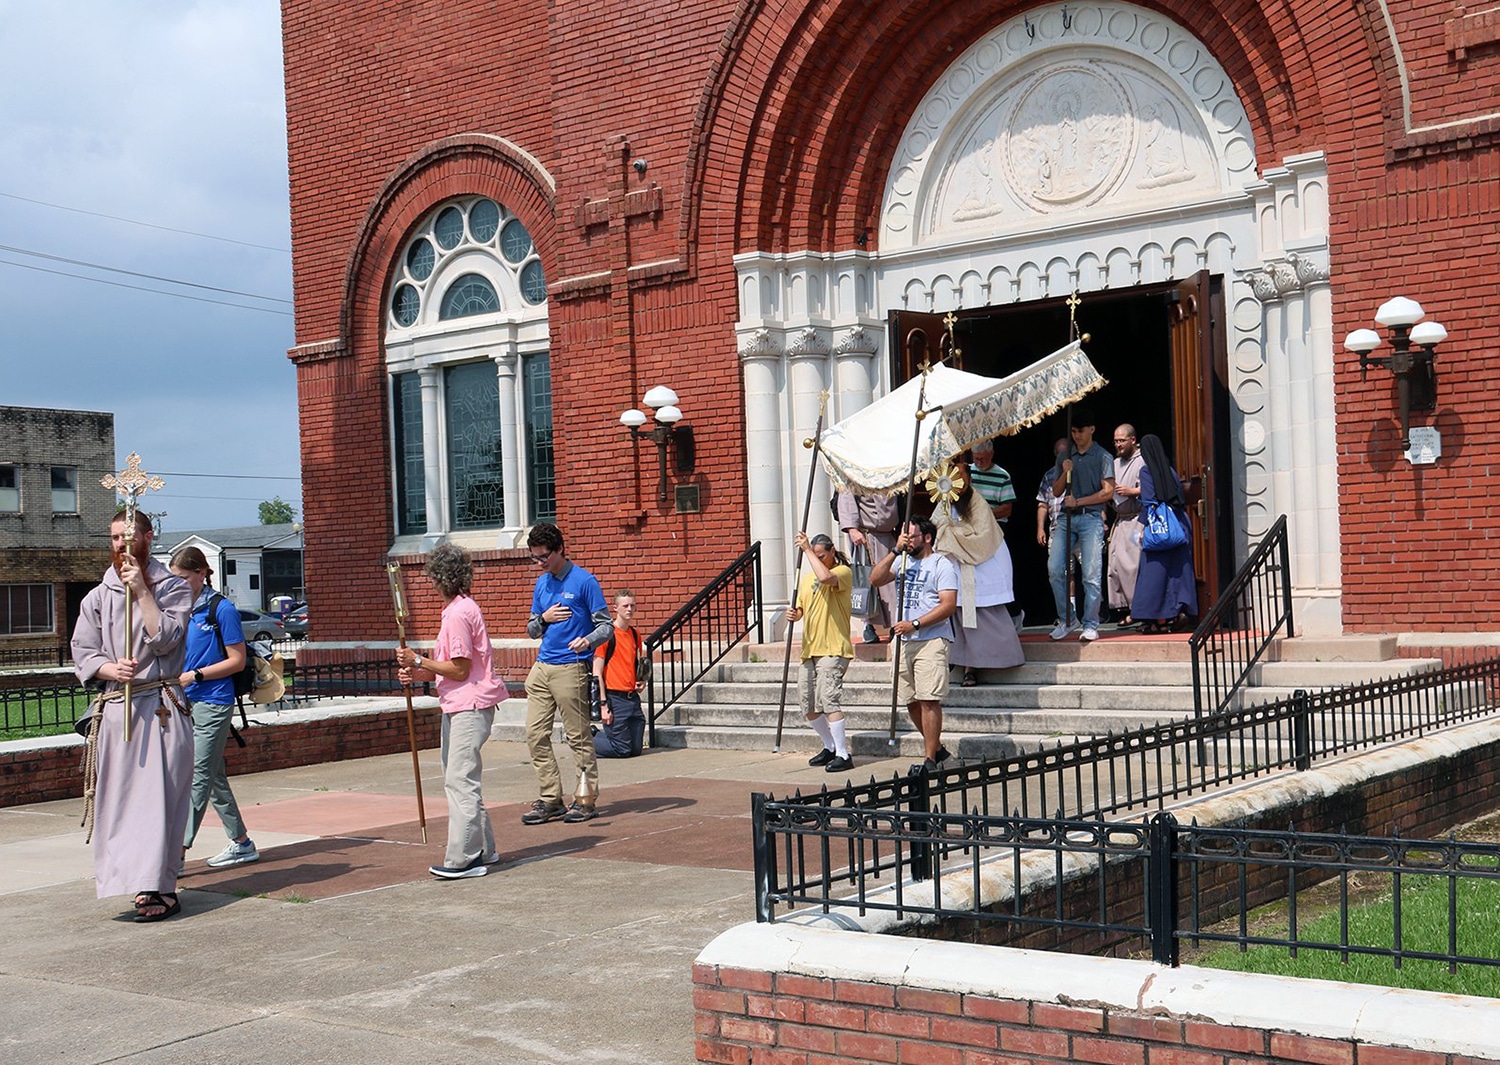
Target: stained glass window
{"x": 469, "y": 295}
{"x": 536, "y": 379}
{"x": 404, "y": 305}
{"x": 484, "y": 220}
{"x": 411, "y": 474}
{"x": 533, "y": 284}
{"x": 449, "y": 228}
{"x": 515, "y": 242}
{"x": 472, "y": 411}
{"x": 419, "y": 259}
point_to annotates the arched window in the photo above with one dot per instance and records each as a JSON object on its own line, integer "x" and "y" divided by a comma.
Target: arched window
{"x": 471, "y": 395}
{"x": 469, "y": 295}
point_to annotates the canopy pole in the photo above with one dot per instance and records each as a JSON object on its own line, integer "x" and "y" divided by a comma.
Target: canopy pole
{"x": 816, "y": 443}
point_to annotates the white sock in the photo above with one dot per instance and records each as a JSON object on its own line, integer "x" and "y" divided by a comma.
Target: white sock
{"x": 819, "y": 725}
{"x": 840, "y": 743}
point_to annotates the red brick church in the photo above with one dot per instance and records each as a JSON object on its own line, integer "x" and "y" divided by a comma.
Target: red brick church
{"x": 512, "y": 221}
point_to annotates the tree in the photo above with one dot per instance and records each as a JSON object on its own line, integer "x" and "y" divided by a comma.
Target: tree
{"x": 277, "y": 512}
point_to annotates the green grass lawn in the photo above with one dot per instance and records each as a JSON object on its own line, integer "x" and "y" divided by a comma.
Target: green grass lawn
{"x": 1424, "y": 926}
{"x": 46, "y": 716}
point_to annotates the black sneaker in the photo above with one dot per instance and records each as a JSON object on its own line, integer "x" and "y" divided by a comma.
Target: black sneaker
{"x": 823, "y": 757}
{"x": 943, "y": 754}
{"x": 870, "y": 635}
{"x": 540, "y": 812}
{"x": 839, "y": 765}
{"x": 462, "y": 872}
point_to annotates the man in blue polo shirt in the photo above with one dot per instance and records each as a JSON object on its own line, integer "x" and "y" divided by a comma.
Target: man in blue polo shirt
{"x": 570, "y": 616}
{"x": 1085, "y": 481}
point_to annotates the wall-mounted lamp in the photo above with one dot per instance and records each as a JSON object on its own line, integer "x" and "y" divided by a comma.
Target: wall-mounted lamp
{"x": 1416, "y": 380}
{"x": 663, "y": 401}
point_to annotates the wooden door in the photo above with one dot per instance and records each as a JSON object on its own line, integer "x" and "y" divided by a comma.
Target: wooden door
{"x": 1195, "y": 429}
{"x": 908, "y": 351}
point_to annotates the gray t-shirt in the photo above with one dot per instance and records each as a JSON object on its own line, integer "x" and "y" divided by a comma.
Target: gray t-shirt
{"x": 1091, "y": 469}
{"x": 925, "y": 578}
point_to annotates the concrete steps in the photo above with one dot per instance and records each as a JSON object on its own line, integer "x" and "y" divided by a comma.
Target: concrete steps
{"x": 1066, "y": 689}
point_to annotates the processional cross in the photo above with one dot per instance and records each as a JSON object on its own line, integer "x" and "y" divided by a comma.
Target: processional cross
{"x": 130, "y": 483}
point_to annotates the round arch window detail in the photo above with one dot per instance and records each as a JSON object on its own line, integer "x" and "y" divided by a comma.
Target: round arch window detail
{"x": 463, "y": 226}
{"x": 471, "y": 294}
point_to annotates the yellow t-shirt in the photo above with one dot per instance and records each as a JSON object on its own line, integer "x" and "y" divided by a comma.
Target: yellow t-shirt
{"x": 825, "y": 614}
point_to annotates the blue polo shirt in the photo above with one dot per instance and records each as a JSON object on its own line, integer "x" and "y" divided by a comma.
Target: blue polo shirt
{"x": 577, "y": 590}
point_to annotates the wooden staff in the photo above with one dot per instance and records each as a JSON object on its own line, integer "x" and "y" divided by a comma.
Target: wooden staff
{"x": 816, "y": 443}
{"x": 398, "y": 600}
{"x": 130, "y": 483}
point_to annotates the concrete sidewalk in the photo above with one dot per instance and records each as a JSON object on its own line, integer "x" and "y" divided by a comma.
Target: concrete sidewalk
{"x": 337, "y": 946}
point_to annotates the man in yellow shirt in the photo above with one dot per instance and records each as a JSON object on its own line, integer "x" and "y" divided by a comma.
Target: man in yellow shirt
{"x": 823, "y": 600}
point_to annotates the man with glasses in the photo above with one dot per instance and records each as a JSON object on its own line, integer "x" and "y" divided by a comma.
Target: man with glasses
{"x": 571, "y": 618}
{"x": 1085, "y": 481}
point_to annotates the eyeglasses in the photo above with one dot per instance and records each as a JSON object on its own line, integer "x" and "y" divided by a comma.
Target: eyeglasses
{"x": 541, "y": 560}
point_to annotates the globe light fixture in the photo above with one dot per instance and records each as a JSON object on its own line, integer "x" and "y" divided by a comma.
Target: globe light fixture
{"x": 668, "y": 415}
{"x": 1413, "y": 344}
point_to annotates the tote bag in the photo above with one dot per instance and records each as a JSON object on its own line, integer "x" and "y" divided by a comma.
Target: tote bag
{"x": 1161, "y": 528}
{"x": 862, "y": 596}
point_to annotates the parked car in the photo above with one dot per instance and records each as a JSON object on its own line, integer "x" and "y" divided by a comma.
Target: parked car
{"x": 296, "y": 621}
{"x": 260, "y": 626}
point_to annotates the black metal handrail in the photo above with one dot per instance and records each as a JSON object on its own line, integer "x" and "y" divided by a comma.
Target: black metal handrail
{"x": 696, "y": 638}
{"x": 1233, "y": 636}
{"x": 1105, "y": 885}
{"x": 1130, "y": 773}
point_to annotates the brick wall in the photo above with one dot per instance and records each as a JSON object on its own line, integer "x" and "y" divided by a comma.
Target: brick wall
{"x": 770, "y": 127}
{"x": 749, "y": 1016}
{"x": 45, "y": 773}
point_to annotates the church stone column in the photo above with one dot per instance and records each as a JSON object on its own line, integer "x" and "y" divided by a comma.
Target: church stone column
{"x": 760, "y": 356}
{"x": 430, "y": 378}
{"x": 510, "y": 439}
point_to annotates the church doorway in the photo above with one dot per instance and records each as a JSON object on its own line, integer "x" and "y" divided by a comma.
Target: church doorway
{"x": 1162, "y": 350}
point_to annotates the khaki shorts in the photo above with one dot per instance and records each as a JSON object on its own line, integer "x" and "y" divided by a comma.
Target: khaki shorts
{"x": 924, "y": 671}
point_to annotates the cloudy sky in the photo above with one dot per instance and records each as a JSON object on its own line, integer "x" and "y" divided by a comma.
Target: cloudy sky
{"x": 149, "y": 136}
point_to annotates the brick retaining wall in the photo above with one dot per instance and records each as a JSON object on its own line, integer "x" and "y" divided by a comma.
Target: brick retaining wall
{"x": 52, "y": 771}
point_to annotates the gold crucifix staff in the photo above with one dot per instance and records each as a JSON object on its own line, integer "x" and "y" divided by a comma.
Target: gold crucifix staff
{"x": 398, "y": 600}
{"x": 130, "y": 483}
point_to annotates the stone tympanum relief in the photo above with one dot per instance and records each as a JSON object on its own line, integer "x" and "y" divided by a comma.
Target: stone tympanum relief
{"x": 1069, "y": 137}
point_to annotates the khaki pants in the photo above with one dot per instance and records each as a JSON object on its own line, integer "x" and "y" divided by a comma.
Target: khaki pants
{"x": 551, "y": 690}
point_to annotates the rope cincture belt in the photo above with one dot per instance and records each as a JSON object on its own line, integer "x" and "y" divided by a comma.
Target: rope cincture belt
{"x": 173, "y": 694}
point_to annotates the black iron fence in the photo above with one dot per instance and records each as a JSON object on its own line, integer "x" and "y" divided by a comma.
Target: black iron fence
{"x": 20, "y": 657}
{"x": 1124, "y": 887}
{"x": 863, "y": 829}
{"x": 51, "y": 709}
{"x": 1233, "y": 636}
{"x": 697, "y": 637}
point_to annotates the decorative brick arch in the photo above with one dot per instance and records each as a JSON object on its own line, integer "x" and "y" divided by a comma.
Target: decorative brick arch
{"x": 805, "y": 105}
{"x": 461, "y": 165}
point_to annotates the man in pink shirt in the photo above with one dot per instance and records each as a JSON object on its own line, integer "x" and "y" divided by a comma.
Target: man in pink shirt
{"x": 462, "y": 661}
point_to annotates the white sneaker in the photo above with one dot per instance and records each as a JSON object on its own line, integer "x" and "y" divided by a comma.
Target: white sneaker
{"x": 1019, "y": 620}
{"x": 235, "y": 854}
{"x": 1059, "y": 631}
{"x": 1090, "y": 634}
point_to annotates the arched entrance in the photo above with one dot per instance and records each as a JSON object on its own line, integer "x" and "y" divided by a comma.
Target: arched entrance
{"x": 1104, "y": 152}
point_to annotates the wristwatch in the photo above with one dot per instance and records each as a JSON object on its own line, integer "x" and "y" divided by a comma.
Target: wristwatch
{"x": 198, "y": 676}
{"x": 916, "y": 623}
{"x": 416, "y": 661}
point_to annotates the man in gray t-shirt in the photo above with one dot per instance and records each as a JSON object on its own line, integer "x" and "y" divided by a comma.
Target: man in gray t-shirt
{"x": 1085, "y": 480}
{"x": 929, "y": 583}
